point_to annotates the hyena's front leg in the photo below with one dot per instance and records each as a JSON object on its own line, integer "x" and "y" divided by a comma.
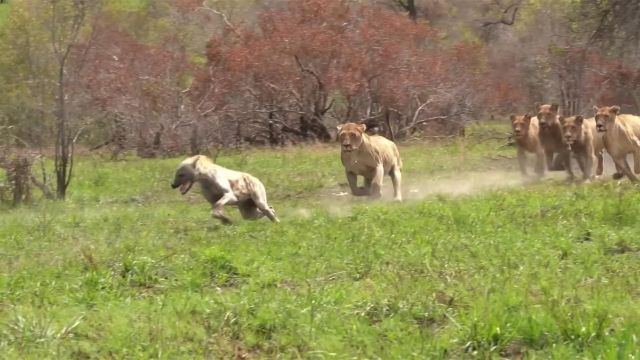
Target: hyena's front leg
{"x": 218, "y": 207}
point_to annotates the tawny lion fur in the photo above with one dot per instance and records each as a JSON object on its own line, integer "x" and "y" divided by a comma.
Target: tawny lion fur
{"x": 526, "y": 133}
{"x": 222, "y": 186}
{"x": 551, "y": 138}
{"x": 370, "y": 156}
{"x": 621, "y": 132}
{"x": 586, "y": 144}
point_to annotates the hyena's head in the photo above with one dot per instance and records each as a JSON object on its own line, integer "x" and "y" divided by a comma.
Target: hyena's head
{"x": 350, "y": 135}
{"x": 185, "y": 175}
{"x": 605, "y": 115}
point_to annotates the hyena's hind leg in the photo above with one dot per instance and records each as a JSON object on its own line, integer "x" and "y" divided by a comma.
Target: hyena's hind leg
{"x": 267, "y": 210}
{"x": 260, "y": 199}
{"x": 249, "y": 210}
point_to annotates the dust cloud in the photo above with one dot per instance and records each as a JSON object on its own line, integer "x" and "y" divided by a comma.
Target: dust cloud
{"x": 339, "y": 202}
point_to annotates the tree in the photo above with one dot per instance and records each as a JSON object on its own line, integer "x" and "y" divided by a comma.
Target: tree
{"x": 65, "y": 21}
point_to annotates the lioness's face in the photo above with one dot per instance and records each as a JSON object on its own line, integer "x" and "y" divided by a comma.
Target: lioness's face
{"x": 547, "y": 115}
{"x": 605, "y": 115}
{"x": 350, "y": 135}
{"x": 572, "y": 129}
{"x": 520, "y": 125}
{"x": 184, "y": 178}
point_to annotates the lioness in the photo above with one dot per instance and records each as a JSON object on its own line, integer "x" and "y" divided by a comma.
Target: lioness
{"x": 585, "y": 143}
{"x": 620, "y": 138}
{"x": 222, "y": 186}
{"x": 551, "y": 137}
{"x": 370, "y": 156}
{"x": 526, "y": 135}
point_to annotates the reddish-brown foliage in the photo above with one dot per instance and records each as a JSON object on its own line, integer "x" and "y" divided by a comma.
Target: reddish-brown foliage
{"x": 305, "y": 57}
{"x": 141, "y": 82}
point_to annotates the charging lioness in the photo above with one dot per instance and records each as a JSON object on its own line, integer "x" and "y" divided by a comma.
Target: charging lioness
{"x": 551, "y": 138}
{"x": 370, "y": 156}
{"x": 585, "y": 143}
{"x": 222, "y": 186}
{"x": 526, "y": 135}
{"x": 620, "y": 137}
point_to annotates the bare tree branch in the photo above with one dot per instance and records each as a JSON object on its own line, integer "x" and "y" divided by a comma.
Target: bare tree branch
{"x": 224, "y": 17}
{"x": 504, "y": 19}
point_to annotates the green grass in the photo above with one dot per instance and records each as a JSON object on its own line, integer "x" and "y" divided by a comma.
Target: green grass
{"x": 128, "y": 268}
{"x": 5, "y": 9}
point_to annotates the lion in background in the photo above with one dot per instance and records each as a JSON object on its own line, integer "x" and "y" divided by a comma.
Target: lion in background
{"x": 526, "y": 132}
{"x": 551, "y": 138}
{"x": 222, "y": 186}
{"x": 585, "y": 143}
{"x": 369, "y": 156}
{"x": 620, "y": 137}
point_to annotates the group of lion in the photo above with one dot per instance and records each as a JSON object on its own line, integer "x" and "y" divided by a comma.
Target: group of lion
{"x": 551, "y": 137}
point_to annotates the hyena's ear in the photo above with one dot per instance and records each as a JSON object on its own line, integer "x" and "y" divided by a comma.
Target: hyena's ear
{"x": 196, "y": 164}
{"x": 615, "y": 109}
{"x": 554, "y": 107}
{"x": 579, "y": 120}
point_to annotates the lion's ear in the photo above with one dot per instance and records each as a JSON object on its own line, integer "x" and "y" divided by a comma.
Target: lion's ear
{"x": 562, "y": 119}
{"x": 615, "y": 109}
{"x": 527, "y": 117}
{"x": 554, "y": 107}
{"x": 579, "y": 119}
{"x": 512, "y": 118}
{"x": 339, "y": 127}
{"x": 362, "y": 127}
{"x": 595, "y": 108}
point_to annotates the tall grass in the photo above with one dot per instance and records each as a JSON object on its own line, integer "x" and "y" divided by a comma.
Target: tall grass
{"x": 128, "y": 268}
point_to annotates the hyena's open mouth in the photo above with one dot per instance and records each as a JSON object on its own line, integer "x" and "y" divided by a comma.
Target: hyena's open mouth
{"x": 184, "y": 188}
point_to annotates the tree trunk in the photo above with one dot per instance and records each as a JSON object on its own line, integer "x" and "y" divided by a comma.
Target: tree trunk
{"x": 411, "y": 8}
{"x": 194, "y": 143}
{"x": 387, "y": 120}
{"x": 62, "y": 159}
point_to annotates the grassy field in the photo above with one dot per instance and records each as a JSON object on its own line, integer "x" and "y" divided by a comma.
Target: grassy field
{"x": 128, "y": 268}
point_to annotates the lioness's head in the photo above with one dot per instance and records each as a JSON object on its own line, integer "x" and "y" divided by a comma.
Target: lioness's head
{"x": 605, "y": 115}
{"x": 185, "y": 174}
{"x": 572, "y": 129}
{"x": 350, "y": 135}
{"x": 520, "y": 125}
{"x": 547, "y": 114}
